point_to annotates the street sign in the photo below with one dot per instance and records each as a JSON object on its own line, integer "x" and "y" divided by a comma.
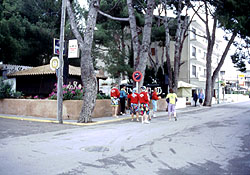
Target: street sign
{"x": 56, "y": 47}
{"x": 137, "y": 76}
{"x": 73, "y": 51}
{"x": 54, "y": 63}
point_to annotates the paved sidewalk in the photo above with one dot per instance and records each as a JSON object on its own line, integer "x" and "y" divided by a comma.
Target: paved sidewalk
{"x": 100, "y": 120}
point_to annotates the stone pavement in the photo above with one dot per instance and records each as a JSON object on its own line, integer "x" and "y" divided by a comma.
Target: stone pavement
{"x": 100, "y": 120}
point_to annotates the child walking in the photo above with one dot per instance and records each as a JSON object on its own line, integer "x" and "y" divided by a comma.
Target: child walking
{"x": 171, "y": 100}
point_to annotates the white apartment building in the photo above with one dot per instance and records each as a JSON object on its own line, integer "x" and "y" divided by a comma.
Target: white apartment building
{"x": 193, "y": 61}
{"x": 194, "y": 52}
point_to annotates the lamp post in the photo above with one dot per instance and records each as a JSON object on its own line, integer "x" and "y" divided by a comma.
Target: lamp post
{"x": 60, "y": 71}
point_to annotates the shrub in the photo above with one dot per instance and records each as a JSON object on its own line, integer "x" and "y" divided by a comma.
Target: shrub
{"x": 70, "y": 92}
{"x": 6, "y": 90}
{"x": 102, "y": 96}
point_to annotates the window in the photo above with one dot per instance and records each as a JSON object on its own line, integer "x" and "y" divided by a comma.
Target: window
{"x": 205, "y": 72}
{"x": 193, "y": 33}
{"x": 222, "y": 73}
{"x": 153, "y": 51}
{"x": 204, "y": 55}
{"x": 199, "y": 68}
{"x": 193, "y": 51}
{"x": 194, "y": 70}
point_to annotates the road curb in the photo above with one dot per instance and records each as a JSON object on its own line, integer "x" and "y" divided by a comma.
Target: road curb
{"x": 65, "y": 122}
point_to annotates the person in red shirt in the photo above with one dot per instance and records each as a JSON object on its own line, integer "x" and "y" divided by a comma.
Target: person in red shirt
{"x": 155, "y": 98}
{"x": 114, "y": 94}
{"x": 144, "y": 100}
{"x": 134, "y": 99}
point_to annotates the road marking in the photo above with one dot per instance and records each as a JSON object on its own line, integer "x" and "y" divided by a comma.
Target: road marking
{"x": 65, "y": 122}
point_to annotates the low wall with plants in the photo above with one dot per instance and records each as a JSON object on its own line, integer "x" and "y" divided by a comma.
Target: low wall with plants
{"x": 71, "y": 108}
{"x": 48, "y": 108}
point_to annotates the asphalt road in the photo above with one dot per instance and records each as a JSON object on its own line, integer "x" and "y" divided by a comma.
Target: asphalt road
{"x": 212, "y": 141}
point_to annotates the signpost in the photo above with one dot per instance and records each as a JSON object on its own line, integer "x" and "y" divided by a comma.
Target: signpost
{"x": 60, "y": 70}
{"x": 137, "y": 76}
{"x": 54, "y": 63}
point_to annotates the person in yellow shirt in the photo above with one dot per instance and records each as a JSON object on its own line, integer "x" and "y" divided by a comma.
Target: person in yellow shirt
{"x": 171, "y": 100}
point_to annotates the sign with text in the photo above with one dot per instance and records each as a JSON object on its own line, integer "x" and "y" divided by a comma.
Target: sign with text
{"x": 241, "y": 80}
{"x": 73, "y": 51}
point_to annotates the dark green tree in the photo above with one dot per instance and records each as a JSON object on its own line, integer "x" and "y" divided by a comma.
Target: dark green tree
{"x": 112, "y": 39}
{"x": 234, "y": 16}
{"x": 27, "y": 29}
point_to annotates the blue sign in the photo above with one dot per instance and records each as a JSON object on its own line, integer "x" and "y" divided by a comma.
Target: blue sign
{"x": 56, "y": 47}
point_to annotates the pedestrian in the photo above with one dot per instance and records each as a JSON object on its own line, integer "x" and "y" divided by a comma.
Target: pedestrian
{"x": 201, "y": 97}
{"x": 123, "y": 96}
{"x": 114, "y": 94}
{"x": 144, "y": 109}
{"x": 155, "y": 98}
{"x": 171, "y": 100}
{"x": 195, "y": 98}
{"x": 134, "y": 100}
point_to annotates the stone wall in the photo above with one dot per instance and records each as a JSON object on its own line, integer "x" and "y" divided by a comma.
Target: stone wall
{"x": 48, "y": 108}
{"x": 71, "y": 108}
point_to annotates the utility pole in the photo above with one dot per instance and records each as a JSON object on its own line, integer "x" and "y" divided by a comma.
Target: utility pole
{"x": 60, "y": 71}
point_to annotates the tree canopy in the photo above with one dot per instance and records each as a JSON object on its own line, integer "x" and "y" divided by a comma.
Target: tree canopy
{"x": 234, "y": 16}
{"x": 27, "y": 29}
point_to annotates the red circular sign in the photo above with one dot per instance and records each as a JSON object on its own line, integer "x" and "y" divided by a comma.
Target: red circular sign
{"x": 137, "y": 76}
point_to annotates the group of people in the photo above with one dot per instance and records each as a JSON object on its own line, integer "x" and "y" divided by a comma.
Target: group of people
{"x": 139, "y": 102}
{"x": 199, "y": 96}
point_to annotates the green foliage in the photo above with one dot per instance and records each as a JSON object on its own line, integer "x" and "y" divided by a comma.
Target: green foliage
{"x": 102, "y": 96}
{"x": 111, "y": 39}
{"x": 234, "y": 15}
{"x": 70, "y": 92}
{"x": 27, "y": 29}
{"x": 239, "y": 63}
{"x": 115, "y": 62}
{"x": 7, "y": 92}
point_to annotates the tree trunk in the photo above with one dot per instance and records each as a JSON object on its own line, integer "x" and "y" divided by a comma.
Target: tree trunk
{"x": 167, "y": 45}
{"x": 87, "y": 69}
{"x": 216, "y": 71}
{"x": 211, "y": 40}
{"x": 134, "y": 34}
{"x": 180, "y": 36}
{"x": 141, "y": 52}
{"x": 177, "y": 48}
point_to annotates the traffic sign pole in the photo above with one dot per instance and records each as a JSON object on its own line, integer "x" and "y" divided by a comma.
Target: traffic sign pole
{"x": 60, "y": 71}
{"x": 137, "y": 76}
{"x": 137, "y": 84}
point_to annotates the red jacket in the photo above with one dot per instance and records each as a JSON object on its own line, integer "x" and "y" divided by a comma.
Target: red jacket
{"x": 154, "y": 96}
{"x": 134, "y": 98}
{"x": 143, "y": 97}
{"x": 115, "y": 93}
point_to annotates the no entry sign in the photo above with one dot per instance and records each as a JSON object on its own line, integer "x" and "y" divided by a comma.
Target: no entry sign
{"x": 137, "y": 76}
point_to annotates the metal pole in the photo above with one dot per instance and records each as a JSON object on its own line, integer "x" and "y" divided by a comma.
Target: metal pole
{"x": 60, "y": 71}
{"x": 219, "y": 88}
{"x": 137, "y": 86}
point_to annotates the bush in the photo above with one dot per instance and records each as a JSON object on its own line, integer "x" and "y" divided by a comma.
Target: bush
{"x": 102, "y": 96}
{"x": 6, "y": 90}
{"x": 70, "y": 92}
